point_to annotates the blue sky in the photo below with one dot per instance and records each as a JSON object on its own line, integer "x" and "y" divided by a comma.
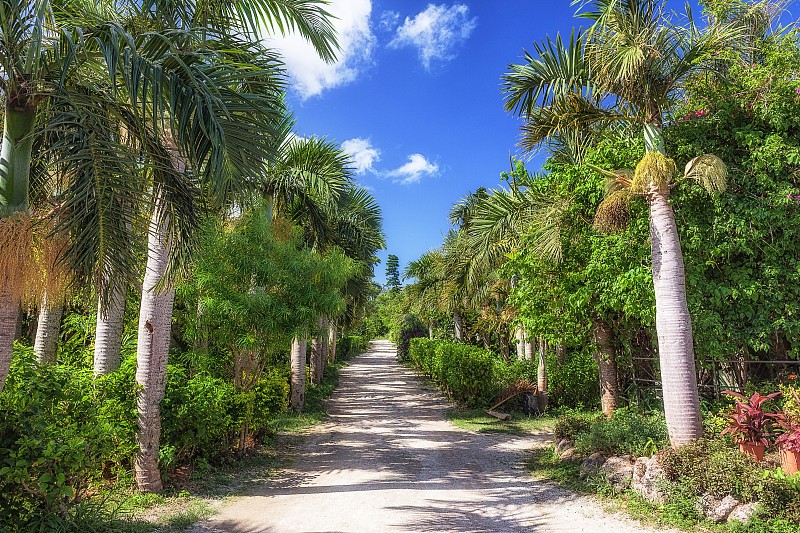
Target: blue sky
{"x": 415, "y": 98}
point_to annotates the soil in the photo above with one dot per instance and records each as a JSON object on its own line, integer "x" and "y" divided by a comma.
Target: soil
{"x": 387, "y": 460}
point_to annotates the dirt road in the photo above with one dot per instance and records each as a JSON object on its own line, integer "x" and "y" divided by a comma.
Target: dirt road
{"x": 387, "y": 460}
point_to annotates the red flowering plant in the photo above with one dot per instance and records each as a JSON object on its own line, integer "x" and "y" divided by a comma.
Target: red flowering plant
{"x": 749, "y": 422}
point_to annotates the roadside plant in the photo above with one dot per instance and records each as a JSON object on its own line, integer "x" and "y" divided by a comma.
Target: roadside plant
{"x": 750, "y": 422}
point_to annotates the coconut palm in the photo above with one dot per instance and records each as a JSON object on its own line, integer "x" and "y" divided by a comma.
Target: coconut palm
{"x": 626, "y": 72}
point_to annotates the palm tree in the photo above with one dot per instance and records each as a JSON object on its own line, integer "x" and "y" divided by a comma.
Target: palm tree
{"x": 224, "y": 133}
{"x": 303, "y": 185}
{"x": 627, "y": 71}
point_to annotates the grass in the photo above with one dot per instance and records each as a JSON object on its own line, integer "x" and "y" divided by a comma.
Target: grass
{"x": 520, "y": 424}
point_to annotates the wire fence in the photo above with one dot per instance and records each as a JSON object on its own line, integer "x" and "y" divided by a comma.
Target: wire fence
{"x": 715, "y": 377}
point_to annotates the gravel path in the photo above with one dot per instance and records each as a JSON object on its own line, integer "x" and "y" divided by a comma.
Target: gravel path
{"x": 387, "y": 460}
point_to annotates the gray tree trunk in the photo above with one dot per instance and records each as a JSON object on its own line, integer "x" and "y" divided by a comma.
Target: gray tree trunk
{"x": 319, "y": 351}
{"x": 333, "y": 335}
{"x": 430, "y": 329}
{"x": 47, "y": 331}
{"x": 298, "y": 378}
{"x": 110, "y": 322}
{"x": 520, "y": 336}
{"x": 541, "y": 369}
{"x": 459, "y": 326}
{"x": 151, "y": 352}
{"x": 673, "y": 325}
{"x": 9, "y": 316}
{"x": 530, "y": 349}
{"x": 607, "y": 366}
{"x": 541, "y": 374}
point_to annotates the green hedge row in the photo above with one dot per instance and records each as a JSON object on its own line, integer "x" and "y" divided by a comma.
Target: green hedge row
{"x": 351, "y": 346}
{"x": 467, "y": 374}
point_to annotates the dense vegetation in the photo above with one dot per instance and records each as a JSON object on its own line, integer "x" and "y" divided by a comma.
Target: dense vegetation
{"x": 178, "y": 269}
{"x": 578, "y": 272}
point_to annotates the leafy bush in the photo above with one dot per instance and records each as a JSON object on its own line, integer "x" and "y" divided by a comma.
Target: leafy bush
{"x": 569, "y": 426}
{"x": 351, "y": 346}
{"x": 627, "y": 432}
{"x": 573, "y": 382}
{"x": 410, "y": 328}
{"x": 55, "y": 432}
{"x": 468, "y": 375}
{"x": 716, "y": 467}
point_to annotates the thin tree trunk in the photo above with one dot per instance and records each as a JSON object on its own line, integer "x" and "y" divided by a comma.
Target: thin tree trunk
{"x": 520, "y": 336}
{"x": 430, "y": 329}
{"x": 530, "y": 349}
{"x": 152, "y": 350}
{"x": 541, "y": 374}
{"x": 332, "y": 340}
{"x": 541, "y": 369}
{"x": 47, "y": 331}
{"x": 110, "y": 323}
{"x": 319, "y": 351}
{"x": 9, "y": 316}
{"x": 607, "y": 366}
{"x": 673, "y": 325}
{"x": 459, "y": 326}
{"x": 298, "y": 378}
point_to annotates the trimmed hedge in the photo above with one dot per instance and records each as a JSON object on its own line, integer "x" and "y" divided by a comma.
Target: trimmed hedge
{"x": 350, "y": 346}
{"x": 468, "y": 375}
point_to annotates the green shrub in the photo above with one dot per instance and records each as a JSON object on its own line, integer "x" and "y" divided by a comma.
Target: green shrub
{"x": 351, "y": 346}
{"x": 627, "y": 432}
{"x": 717, "y": 467}
{"x": 410, "y": 328}
{"x": 570, "y": 426}
{"x": 56, "y": 432}
{"x": 468, "y": 375}
{"x": 573, "y": 381}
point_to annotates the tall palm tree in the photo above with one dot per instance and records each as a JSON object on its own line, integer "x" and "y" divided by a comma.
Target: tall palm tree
{"x": 626, "y": 72}
{"x": 224, "y": 136}
{"x": 303, "y": 185}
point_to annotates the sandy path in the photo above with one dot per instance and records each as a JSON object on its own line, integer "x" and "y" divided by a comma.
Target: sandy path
{"x": 387, "y": 460}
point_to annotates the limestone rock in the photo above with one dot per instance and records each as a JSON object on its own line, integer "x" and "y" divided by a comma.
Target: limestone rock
{"x": 619, "y": 471}
{"x": 647, "y": 476}
{"x": 714, "y": 509}
{"x": 743, "y": 513}
{"x": 568, "y": 454}
{"x": 592, "y": 464}
{"x": 562, "y": 445}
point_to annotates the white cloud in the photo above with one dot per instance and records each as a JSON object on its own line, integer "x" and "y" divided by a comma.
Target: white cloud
{"x": 413, "y": 171}
{"x": 436, "y": 32}
{"x": 389, "y": 20}
{"x": 310, "y": 75}
{"x": 362, "y": 153}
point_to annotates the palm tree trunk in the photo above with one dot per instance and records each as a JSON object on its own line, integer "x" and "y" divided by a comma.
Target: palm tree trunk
{"x": 430, "y": 329}
{"x": 15, "y": 170}
{"x": 541, "y": 374}
{"x": 110, "y": 322}
{"x": 332, "y": 339}
{"x": 607, "y": 366}
{"x": 298, "y": 379}
{"x": 541, "y": 369}
{"x": 9, "y": 316}
{"x": 673, "y": 325}
{"x": 319, "y": 351}
{"x": 529, "y": 349}
{"x": 47, "y": 331}
{"x": 459, "y": 326}
{"x": 520, "y": 336}
{"x": 155, "y": 317}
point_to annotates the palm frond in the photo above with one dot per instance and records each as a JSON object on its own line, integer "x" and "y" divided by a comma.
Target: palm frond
{"x": 709, "y": 171}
